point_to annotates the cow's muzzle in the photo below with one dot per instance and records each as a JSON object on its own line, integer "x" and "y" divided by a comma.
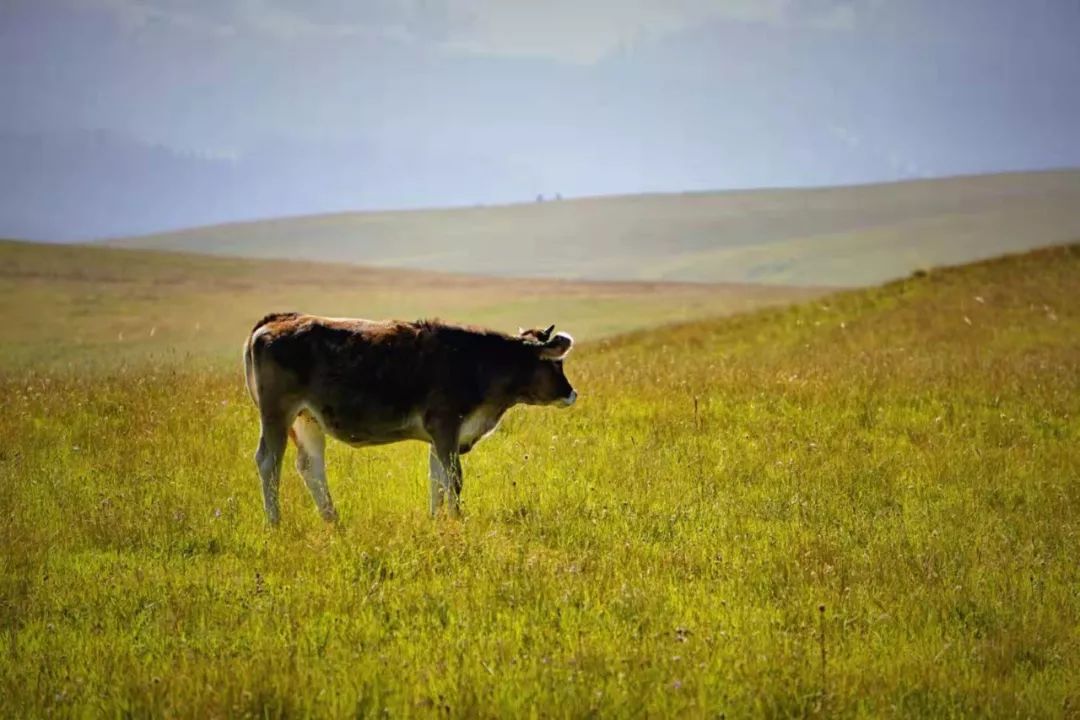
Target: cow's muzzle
{"x": 568, "y": 400}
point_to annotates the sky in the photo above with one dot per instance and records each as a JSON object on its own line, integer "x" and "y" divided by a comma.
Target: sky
{"x": 131, "y": 116}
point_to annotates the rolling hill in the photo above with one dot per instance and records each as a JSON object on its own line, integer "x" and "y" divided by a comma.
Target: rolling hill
{"x": 845, "y": 236}
{"x": 74, "y": 305}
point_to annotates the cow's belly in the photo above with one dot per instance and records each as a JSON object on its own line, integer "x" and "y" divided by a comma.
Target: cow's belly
{"x": 371, "y": 430}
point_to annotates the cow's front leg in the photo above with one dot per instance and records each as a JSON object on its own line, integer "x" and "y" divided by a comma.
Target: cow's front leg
{"x": 437, "y": 480}
{"x": 310, "y": 463}
{"x": 444, "y": 474}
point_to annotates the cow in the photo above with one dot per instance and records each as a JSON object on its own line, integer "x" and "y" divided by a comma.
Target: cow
{"x": 369, "y": 382}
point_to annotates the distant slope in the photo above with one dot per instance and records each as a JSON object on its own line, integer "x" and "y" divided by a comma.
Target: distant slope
{"x": 78, "y": 305}
{"x": 832, "y": 236}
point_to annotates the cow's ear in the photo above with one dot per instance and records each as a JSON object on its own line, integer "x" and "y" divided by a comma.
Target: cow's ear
{"x": 557, "y": 347}
{"x": 536, "y": 335}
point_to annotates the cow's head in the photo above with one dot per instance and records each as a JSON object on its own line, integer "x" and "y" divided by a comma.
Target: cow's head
{"x": 546, "y": 384}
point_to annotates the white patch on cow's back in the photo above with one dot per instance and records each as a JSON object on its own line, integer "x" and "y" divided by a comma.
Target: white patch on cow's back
{"x": 259, "y": 331}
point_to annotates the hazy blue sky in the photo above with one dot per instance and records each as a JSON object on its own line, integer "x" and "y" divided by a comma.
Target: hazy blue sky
{"x": 123, "y": 116}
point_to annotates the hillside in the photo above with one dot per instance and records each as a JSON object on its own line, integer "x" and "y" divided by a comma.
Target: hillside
{"x": 846, "y": 236}
{"x": 865, "y": 505}
{"x": 71, "y": 305}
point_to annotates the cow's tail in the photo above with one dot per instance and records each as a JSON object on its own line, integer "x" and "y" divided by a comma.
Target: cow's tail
{"x": 249, "y": 353}
{"x": 249, "y": 371}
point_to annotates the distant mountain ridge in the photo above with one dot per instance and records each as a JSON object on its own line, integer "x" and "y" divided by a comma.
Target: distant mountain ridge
{"x": 857, "y": 235}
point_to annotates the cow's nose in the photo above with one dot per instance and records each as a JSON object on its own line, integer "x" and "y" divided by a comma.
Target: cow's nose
{"x": 570, "y": 399}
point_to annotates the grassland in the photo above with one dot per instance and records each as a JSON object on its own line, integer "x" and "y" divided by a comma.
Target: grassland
{"x": 865, "y": 505}
{"x": 845, "y": 236}
{"x": 84, "y": 307}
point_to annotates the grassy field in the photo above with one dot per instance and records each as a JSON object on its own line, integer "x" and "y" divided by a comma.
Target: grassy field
{"x": 83, "y": 307}
{"x": 842, "y": 236}
{"x": 865, "y": 505}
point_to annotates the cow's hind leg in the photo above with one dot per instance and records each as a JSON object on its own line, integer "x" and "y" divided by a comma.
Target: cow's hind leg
{"x": 268, "y": 458}
{"x": 310, "y": 448}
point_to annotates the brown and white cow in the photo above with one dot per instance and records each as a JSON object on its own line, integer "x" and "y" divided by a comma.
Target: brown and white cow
{"x": 368, "y": 383}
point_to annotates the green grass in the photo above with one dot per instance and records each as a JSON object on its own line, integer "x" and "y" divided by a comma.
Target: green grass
{"x": 906, "y": 458}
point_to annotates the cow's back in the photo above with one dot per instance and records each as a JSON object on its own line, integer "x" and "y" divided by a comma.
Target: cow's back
{"x": 332, "y": 354}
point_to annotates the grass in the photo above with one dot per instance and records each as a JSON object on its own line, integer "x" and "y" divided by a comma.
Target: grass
{"x": 78, "y": 308}
{"x": 867, "y": 505}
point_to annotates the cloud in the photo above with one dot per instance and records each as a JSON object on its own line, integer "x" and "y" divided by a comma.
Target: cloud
{"x": 373, "y": 19}
{"x": 841, "y": 16}
{"x": 584, "y": 33}
{"x": 568, "y": 31}
{"x": 138, "y": 15}
{"x": 272, "y": 19}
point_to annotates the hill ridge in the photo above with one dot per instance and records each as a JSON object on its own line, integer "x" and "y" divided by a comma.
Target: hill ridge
{"x": 839, "y": 236}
